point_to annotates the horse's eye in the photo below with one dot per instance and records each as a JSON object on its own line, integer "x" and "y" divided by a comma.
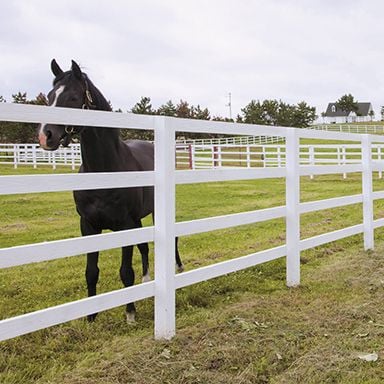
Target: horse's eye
{"x": 74, "y": 98}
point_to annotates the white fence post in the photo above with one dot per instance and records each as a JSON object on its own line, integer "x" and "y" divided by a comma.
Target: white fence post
{"x": 164, "y": 230}
{"x": 292, "y": 191}
{"x": 366, "y": 158}
{"x": 15, "y": 155}
{"x": 344, "y": 159}
{"x": 311, "y": 151}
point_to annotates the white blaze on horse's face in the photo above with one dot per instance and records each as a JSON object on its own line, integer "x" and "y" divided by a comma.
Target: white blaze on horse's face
{"x": 42, "y": 135}
{"x": 58, "y": 92}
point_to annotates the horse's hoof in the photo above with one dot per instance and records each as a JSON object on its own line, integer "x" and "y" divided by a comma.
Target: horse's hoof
{"x": 91, "y": 318}
{"x": 130, "y": 317}
{"x": 146, "y": 278}
{"x": 180, "y": 268}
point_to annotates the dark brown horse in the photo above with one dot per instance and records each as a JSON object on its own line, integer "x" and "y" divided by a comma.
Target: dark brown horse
{"x": 102, "y": 150}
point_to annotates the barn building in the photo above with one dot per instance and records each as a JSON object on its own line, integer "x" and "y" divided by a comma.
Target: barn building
{"x": 336, "y": 115}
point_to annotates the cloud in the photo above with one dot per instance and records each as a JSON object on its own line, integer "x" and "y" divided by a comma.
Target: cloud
{"x": 199, "y": 51}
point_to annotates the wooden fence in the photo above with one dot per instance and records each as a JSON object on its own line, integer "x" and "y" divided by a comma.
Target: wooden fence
{"x": 165, "y": 178}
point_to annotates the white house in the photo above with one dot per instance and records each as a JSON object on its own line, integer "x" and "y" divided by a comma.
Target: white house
{"x": 334, "y": 114}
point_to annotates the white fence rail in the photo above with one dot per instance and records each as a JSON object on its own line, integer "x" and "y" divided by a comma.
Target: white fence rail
{"x": 196, "y": 156}
{"x": 235, "y": 140}
{"x": 164, "y": 178}
{"x": 350, "y": 128}
{"x": 32, "y": 154}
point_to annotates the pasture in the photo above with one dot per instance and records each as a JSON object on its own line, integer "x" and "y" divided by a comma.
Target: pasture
{"x": 245, "y": 328}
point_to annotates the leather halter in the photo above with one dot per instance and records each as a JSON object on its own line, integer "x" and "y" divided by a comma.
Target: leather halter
{"x": 88, "y": 101}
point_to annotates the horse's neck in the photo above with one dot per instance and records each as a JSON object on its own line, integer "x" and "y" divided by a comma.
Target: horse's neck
{"x": 101, "y": 149}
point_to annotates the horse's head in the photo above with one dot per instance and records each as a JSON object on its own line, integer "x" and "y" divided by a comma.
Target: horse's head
{"x": 71, "y": 89}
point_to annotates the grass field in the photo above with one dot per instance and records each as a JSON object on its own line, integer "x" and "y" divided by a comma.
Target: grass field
{"x": 243, "y": 328}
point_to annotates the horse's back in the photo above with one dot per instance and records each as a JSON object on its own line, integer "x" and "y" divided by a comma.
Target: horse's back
{"x": 143, "y": 152}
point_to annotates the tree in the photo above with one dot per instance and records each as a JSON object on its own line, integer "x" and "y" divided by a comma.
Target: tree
{"x": 371, "y": 114}
{"x": 273, "y": 112}
{"x": 253, "y": 113}
{"x": 199, "y": 113}
{"x": 167, "y": 109}
{"x": 347, "y": 103}
{"x": 143, "y": 107}
{"x": 303, "y": 115}
{"x": 40, "y": 99}
{"x": 21, "y": 132}
{"x": 183, "y": 110}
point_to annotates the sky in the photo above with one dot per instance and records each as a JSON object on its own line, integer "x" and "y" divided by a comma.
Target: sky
{"x": 199, "y": 51}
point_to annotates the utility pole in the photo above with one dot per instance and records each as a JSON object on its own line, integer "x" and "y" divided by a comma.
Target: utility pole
{"x": 230, "y": 104}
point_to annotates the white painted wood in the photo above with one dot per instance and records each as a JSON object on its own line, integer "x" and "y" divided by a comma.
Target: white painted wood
{"x": 221, "y": 222}
{"x": 378, "y": 223}
{"x": 69, "y": 116}
{"x": 205, "y": 126}
{"x": 219, "y": 269}
{"x": 164, "y": 178}
{"x": 330, "y": 236}
{"x": 311, "y": 155}
{"x": 378, "y": 195}
{"x": 227, "y": 174}
{"x": 33, "y": 253}
{"x": 71, "y": 182}
{"x": 307, "y": 170}
{"x": 21, "y": 325}
{"x": 367, "y": 192}
{"x": 165, "y": 296}
{"x": 334, "y": 202}
{"x": 292, "y": 192}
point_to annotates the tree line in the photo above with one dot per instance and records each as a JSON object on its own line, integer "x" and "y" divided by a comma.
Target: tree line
{"x": 267, "y": 112}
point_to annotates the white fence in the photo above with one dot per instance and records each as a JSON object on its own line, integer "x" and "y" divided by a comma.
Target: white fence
{"x": 235, "y": 140}
{"x": 165, "y": 178}
{"x": 197, "y": 156}
{"x": 32, "y": 154}
{"x": 350, "y": 128}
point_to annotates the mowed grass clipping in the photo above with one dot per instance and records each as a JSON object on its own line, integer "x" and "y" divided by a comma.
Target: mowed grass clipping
{"x": 246, "y": 327}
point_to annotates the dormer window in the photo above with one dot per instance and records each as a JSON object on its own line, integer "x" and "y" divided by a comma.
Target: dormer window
{"x": 333, "y": 108}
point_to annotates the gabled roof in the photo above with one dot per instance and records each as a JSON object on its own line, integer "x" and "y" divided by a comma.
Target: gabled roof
{"x": 363, "y": 110}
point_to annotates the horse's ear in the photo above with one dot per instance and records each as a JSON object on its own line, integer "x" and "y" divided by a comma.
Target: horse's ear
{"x": 76, "y": 70}
{"x": 56, "y": 70}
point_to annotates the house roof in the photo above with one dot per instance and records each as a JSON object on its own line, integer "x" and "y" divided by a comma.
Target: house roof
{"x": 363, "y": 110}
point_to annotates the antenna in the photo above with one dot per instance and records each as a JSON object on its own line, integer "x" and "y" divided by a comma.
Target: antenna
{"x": 229, "y": 104}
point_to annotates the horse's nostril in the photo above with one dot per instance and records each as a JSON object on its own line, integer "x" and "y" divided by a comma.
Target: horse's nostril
{"x": 48, "y": 133}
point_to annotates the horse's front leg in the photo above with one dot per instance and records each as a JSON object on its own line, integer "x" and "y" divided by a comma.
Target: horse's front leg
{"x": 127, "y": 275}
{"x": 92, "y": 270}
{"x": 144, "y": 251}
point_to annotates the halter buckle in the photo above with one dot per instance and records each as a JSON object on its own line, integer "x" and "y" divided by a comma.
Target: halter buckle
{"x": 69, "y": 130}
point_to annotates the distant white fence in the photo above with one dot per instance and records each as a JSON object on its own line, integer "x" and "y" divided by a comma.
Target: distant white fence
{"x": 165, "y": 178}
{"x": 32, "y": 154}
{"x": 218, "y": 156}
{"x": 197, "y": 156}
{"x": 350, "y": 128}
{"x": 234, "y": 140}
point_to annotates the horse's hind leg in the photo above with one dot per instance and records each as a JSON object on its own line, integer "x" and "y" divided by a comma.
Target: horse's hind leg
{"x": 144, "y": 251}
{"x": 127, "y": 275}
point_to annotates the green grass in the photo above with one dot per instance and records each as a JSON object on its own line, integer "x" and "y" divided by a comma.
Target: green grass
{"x": 246, "y": 327}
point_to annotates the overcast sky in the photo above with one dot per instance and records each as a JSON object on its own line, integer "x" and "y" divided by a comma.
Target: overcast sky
{"x": 199, "y": 51}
